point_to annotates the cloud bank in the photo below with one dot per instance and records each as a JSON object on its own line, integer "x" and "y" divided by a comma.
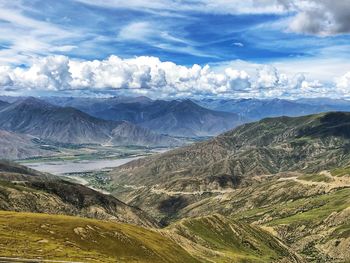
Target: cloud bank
{"x": 152, "y": 77}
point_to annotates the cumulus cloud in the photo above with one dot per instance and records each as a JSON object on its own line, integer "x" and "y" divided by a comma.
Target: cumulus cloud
{"x": 57, "y": 73}
{"x": 343, "y": 83}
{"x": 152, "y": 77}
{"x": 319, "y": 17}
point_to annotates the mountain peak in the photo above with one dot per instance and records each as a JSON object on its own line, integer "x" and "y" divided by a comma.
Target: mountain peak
{"x": 32, "y": 101}
{"x": 188, "y": 104}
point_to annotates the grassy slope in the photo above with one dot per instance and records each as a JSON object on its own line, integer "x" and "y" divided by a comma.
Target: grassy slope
{"x": 207, "y": 239}
{"x": 310, "y": 218}
{"x": 28, "y": 235}
{"x": 222, "y": 240}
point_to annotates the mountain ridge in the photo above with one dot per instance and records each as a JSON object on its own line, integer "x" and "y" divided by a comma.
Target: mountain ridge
{"x": 69, "y": 125}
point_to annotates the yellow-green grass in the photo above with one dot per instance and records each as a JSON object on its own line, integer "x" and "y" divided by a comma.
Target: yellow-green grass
{"x": 218, "y": 239}
{"x": 310, "y": 210}
{"x": 315, "y": 178}
{"x": 57, "y": 237}
{"x": 341, "y": 171}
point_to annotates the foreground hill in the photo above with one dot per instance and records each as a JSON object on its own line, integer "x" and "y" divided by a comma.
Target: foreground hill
{"x": 24, "y": 189}
{"x": 309, "y": 212}
{"x": 225, "y": 240}
{"x": 73, "y": 239}
{"x": 210, "y": 239}
{"x": 68, "y": 125}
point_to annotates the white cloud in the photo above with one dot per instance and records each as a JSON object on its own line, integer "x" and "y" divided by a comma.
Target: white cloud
{"x": 152, "y": 77}
{"x": 268, "y": 77}
{"x": 205, "y": 6}
{"x": 343, "y": 83}
{"x": 26, "y": 37}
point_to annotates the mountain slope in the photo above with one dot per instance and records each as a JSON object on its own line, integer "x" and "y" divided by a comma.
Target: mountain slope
{"x": 265, "y": 147}
{"x": 227, "y": 240}
{"x": 26, "y": 190}
{"x": 208, "y": 239}
{"x": 309, "y": 212}
{"x": 127, "y": 133}
{"x": 185, "y": 118}
{"x": 73, "y": 239}
{"x": 68, "y": 125}
{"x": 3, "y": 104}
{"x": 180, "y": 177}
{"x": 19, "y": 146}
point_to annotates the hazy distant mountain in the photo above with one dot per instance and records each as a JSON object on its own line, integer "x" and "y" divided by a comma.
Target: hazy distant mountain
{"x": 38, "y": 118}
{"x": 185, "y": 118}
{"x": 19, "y": 146}
{"x": 179, "y": 118}
{"x": 256, "y": 109}
{"x": 3, "y": 104}
{"x": 334, "y": 103}
{"x": 68, "y": 125}
{"x": 95, "y": 105}
{"x": 130, "y": 134}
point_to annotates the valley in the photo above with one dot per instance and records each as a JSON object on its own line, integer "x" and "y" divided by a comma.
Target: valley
{"x": 274, "y": 190}
{"x": 175, "y": 131}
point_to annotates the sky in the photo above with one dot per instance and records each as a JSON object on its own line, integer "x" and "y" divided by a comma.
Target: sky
{"x": 176, "y": 48}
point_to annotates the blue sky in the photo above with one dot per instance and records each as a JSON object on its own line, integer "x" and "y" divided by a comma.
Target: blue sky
{"x": 295, "y": 37}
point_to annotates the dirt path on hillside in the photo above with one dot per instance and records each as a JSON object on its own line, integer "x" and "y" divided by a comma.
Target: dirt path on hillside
{"x": 335, "y": 182}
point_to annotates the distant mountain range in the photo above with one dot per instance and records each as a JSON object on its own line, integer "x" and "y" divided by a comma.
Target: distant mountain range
{"x": 191, "y": 118}
{"x": 257, "y": 109}
{"x": 176, "y": 117}
{"x": 68, "y": 125}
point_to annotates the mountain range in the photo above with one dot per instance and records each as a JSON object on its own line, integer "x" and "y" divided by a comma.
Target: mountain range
{"x": 257, "y": 109}
{"x": 289, "y": 175}
{"x": 56, "y": 236}
{"x": 38, "y": 118}
{"x": 272, "y": 190}
{"x": 182, "y": 118}
{"x": 309, "y": 144}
